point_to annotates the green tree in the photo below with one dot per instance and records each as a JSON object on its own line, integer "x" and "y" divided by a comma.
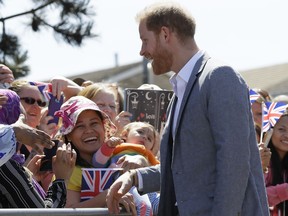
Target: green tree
{"x": 74, "y": 23}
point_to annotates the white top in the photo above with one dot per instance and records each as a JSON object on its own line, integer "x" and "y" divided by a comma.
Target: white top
{"x": 179, "y": 82}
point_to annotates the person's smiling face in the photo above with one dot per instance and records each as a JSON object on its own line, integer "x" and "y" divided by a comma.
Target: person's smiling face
{"x": 88, "y": 134}
{"x": 280, "y": 136}
{"x": 106, "y": 102}
{"x": 33, "y": 111}
{"x": 152, "y": 49}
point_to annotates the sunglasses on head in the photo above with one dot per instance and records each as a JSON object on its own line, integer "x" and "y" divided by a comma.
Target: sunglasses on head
{"x": 32, "y": 101}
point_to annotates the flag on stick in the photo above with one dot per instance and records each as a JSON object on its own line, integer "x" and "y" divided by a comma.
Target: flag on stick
{"x": 253, "y": 96}
{"x": 272, "y": 113}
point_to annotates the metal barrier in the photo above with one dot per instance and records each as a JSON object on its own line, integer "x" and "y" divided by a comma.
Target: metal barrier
{"x": 59, "y": 212}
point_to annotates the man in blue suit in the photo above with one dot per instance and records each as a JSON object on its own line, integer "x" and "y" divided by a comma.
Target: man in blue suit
{"x": 210, "y": 163}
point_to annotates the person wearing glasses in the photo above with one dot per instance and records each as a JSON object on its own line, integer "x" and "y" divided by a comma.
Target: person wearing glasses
{"x": 33, "y": 103}
{"x": 31, "y": 100}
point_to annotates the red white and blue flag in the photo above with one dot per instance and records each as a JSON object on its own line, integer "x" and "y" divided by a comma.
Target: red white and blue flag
{"x": 272, "y": 111}
{"x": 44, "y": 88}
{"x": 95, "y": 181}
{"x": 253, "y": 96}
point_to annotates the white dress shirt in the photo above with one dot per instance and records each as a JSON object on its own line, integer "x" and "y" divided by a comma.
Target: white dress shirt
{"x": 179, "y": 82}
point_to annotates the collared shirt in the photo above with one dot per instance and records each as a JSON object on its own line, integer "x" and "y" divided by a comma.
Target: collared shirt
{"x": 179, "y": 82}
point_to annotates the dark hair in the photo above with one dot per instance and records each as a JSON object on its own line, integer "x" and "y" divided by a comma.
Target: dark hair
{"x": 176, "y": 18}
{"x": 278, "y": 167}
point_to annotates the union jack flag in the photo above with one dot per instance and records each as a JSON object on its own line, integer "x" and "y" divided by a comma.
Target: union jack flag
{"x": 44, "y": 88}
{"x": 271, "y": 114}
{"x": 253, "y": 96}
{"x": 95, "y": 181}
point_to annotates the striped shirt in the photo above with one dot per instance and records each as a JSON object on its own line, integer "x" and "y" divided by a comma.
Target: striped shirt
{"x": 18, "y": 191}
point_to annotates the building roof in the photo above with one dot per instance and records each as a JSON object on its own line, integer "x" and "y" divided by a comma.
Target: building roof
{"x": 273, "y": 79}
{"x": 127, "y": 76}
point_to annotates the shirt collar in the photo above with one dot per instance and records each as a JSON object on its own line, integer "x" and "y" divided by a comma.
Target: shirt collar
{"x": 185, "y": 72}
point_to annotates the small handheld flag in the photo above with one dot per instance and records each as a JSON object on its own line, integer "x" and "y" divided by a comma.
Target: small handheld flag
{"x": 96, "y": 180}
{"x": 272, "y": 113}
{"x": 44, "y": 88}
{"x": 253, "y": 96}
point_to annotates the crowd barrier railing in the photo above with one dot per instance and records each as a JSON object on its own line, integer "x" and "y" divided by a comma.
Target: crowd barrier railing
{"x": 59, "y": 212}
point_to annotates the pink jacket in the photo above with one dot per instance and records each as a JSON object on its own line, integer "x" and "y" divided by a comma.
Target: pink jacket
{"x": 276, "y": 193}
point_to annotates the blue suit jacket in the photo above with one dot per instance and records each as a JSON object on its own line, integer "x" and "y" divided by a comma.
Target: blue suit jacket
{"x": 215, "y": 165}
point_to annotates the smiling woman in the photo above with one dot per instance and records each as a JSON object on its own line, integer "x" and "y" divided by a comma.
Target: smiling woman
{"x": 277, "y": 176}
{"x": 31, "y": 100}
{"x": 86, "y": 127}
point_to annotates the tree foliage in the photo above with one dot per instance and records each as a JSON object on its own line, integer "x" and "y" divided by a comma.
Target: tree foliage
{"x": 73, "y": 24}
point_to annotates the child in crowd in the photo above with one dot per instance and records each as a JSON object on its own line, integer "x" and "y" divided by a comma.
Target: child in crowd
{"x": 140, "y": 138}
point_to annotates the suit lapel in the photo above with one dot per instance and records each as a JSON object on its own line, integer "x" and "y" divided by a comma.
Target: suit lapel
{"x": 168, "y": 198}
{"x": 198, "y": 68}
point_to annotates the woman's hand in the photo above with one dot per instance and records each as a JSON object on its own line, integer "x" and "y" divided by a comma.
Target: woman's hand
{"x": 265, "y": 155}
{"x": 51, "y": 128}
{"x": 62, "y": 84}
{"x": 64, "y": 161}
{"x": 6, "y": 75}
{"x": 128, "y": 203}
{"x": 122, "y": 119}
{"x": 34, "y": 165}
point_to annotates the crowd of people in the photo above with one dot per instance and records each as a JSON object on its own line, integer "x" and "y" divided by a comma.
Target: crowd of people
{"x": 220, "y": 153}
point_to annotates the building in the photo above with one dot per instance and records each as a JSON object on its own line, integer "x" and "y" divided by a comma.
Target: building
{"x": 273, "y": 79}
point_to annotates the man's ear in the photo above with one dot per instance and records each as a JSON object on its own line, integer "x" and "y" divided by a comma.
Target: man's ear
{"x": 165, "y": 33}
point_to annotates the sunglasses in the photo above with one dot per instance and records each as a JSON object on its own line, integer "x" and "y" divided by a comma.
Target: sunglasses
{"x": 32, "y": 101}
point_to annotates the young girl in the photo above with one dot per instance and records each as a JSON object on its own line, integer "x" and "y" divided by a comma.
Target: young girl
{"x": 277, "y": 175}
{"x": 140, "y": 138}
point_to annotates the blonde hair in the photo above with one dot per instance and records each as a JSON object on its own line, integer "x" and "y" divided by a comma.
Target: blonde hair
{"x": 17, "y": 85}
{"x": 128, "y": 127}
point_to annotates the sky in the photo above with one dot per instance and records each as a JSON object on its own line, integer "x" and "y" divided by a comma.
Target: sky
{"x": 246, "y": 34}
